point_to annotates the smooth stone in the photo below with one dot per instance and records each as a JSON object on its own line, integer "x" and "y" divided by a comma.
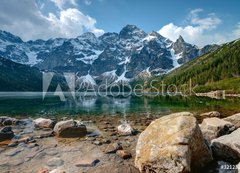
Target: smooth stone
{"x": 55, "y": 162}
{"x": 32, "y": 145}
{"x": 44, "y": 123}
{"x": 125, "y": 129}
{"x": 124, "y": 154}
{"x": 70, "y": 128}
{"x": 112, "y": 148}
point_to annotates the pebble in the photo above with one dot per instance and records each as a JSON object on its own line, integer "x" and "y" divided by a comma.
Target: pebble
{"x": 53, "y": 162}
{"x": 43, "y": 170}
{"x": 112, "y": 148}
{"x": 124, "y": 154}
{"x": 97, "y": 143}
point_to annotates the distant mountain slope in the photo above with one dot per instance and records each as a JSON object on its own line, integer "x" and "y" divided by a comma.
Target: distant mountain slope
{"x": 217, "y": 70}
{"x": 117, "y": 56}
{"x": 19, "y": 77}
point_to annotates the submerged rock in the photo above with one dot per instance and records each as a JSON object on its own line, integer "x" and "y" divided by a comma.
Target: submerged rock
{"x": 6, "y": 121}
{"x": 44, "y": 123}
{"x": 211, "y": 114}
{"x": 55, "y": 162}
{"x": 173, "y": 143}
{"x": 234, "y": 119}
{"x": 125, "y": 129}
{"x": 6, "y": 133}
{"x": 215, "y": 127}
{"x": 227, "y": 147}
{"x": 70, "y": 128}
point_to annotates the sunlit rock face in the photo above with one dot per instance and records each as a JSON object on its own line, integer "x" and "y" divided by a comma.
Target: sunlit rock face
{"x": 173, "y": 143}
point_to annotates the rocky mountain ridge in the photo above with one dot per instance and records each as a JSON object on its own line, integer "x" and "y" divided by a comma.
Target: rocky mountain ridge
{"x": 115, "y": 57}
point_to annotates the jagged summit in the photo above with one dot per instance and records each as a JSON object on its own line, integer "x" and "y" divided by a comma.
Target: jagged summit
{"x": 180, "y": 39}
{"x": 130, "y": 31}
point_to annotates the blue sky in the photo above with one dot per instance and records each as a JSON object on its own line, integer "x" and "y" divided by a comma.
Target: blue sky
{"x": 150, "y": 15}
{"x": 199, "y": 22}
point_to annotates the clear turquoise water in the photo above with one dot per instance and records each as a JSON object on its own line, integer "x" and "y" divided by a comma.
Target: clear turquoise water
{"x": 96, "y": 105}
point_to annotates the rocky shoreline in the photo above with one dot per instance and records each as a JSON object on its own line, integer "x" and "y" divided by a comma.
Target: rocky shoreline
{"x": 178, "y": 142}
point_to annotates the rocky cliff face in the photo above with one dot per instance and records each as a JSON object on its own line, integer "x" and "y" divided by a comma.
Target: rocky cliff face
{"x": 112, "y": 56}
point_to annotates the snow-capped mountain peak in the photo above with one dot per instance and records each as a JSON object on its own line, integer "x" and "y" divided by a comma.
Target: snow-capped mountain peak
{"x": 119, "y": 57}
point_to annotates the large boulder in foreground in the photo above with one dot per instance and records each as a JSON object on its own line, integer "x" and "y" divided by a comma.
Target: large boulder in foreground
{"x": 227, "y": 147}
{"x": 6, "y": 133}
{"x": 173, "y": 143}
{"x": 215, "y": 127}
{"x": 44, "y": 123}
{"x": 69, "y": 129}
{"x": 234, "y": 119}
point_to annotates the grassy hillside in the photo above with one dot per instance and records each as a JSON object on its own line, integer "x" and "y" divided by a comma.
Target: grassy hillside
{"x": 218, "y": 70}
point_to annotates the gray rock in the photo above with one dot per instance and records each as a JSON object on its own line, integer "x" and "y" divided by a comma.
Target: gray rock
{"x": 227, "y": 147}
{"x": 6, "y": 133}
{"x": 55, "y": 162}
{"x": 6, "y": 121}
{"x": 234, "y": 119}
{"x": 215, "y": 127}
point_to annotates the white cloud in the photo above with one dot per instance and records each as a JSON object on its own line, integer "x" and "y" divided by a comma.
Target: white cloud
{"x": 26, "y": 20}
{"x": 72, "y": 22}
{"x": 60, "y": 3}
{"x": 198, "y": 30}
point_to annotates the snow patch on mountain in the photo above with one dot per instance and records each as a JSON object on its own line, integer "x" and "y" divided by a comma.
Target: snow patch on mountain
{"x": 86, "y": 81}
{"x": 149, "y": 38}
{"x": 32, "y": 58}
{"x": 175, "y": 58}
{"x": 89, "y": 59}
{"x": 127, "y": 60}
{"x": 122, "y": 78}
